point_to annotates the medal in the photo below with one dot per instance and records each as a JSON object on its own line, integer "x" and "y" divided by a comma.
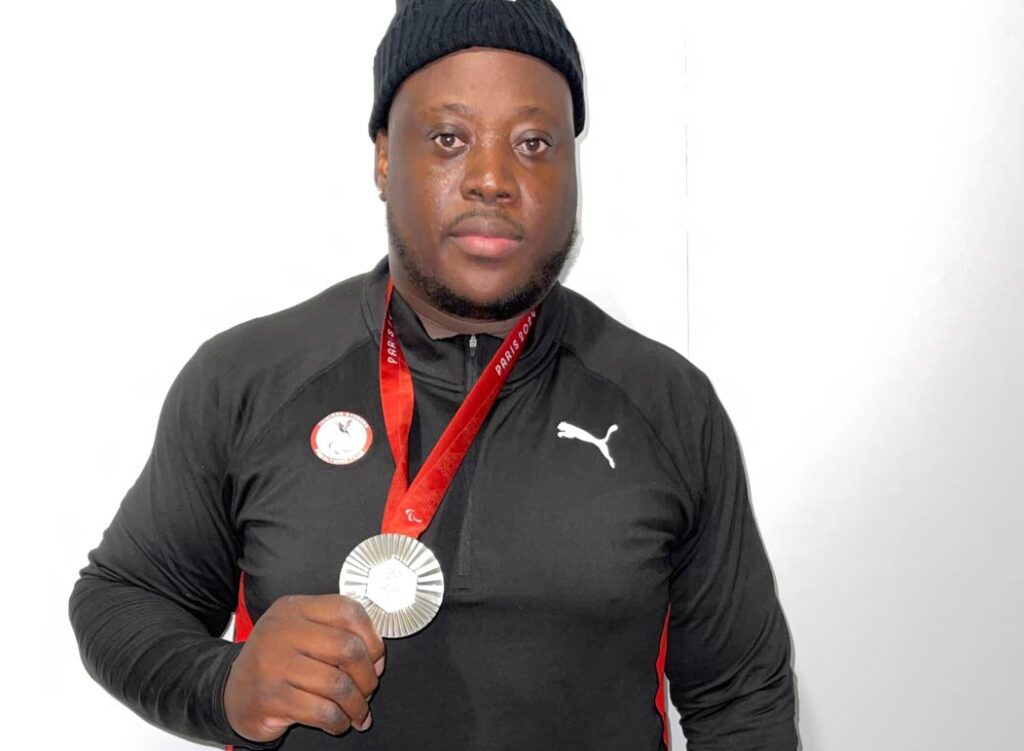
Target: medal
{"x": 395, "y": 576}
{"x": 398, "y": 580}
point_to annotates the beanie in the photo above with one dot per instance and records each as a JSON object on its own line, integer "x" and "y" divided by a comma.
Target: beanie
{"x": 424, "y": 30}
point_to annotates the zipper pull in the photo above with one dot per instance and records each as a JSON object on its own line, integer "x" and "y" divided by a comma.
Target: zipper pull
{"x": 472, "y": 346}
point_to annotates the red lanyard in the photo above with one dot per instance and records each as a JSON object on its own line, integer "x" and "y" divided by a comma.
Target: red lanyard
{"x": 410, "y": 508}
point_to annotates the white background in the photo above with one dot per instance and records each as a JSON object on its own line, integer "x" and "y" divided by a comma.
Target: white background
{"x": 820, "y": 203}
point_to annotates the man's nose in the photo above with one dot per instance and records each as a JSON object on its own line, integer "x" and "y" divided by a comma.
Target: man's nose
{"x": 490, "y": 174}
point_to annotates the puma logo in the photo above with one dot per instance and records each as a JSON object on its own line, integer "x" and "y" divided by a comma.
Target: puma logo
{"x": 566, "y": 430}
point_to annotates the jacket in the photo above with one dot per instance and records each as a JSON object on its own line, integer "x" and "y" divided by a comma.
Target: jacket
{"x": 578, "y": 566}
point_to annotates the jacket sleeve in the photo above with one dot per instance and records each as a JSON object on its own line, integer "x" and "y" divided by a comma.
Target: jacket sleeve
{"x": 149, "y": 607}
{"x": 728, "y": 645}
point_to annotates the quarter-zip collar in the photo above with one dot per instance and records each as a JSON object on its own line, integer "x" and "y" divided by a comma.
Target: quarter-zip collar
{"x": 442, "y": 362}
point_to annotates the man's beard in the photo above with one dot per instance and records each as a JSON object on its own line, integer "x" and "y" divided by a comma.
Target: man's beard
{"x": 442, "y": 297}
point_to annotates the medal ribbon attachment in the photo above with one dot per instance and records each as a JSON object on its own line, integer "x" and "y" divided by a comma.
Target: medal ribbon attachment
{"x": 410, "y": 508}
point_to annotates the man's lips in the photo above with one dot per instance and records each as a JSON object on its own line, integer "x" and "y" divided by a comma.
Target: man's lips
{"x": 486, "y": 237}
{"x": 485, "y": 246}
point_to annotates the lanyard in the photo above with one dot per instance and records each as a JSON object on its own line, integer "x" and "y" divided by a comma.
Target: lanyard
{"x": 410, "y": 508}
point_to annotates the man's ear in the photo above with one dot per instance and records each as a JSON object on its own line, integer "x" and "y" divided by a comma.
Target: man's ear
{"x": 380, "y": 163}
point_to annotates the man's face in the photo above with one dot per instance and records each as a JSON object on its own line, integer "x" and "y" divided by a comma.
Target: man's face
{"x": 478, "y": 165}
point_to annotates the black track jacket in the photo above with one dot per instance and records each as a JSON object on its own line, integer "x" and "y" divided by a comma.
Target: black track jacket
{"x": 559, "y": 567}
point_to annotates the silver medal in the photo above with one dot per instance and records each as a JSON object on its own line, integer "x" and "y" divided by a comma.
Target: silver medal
{"x": 397, "y": 579}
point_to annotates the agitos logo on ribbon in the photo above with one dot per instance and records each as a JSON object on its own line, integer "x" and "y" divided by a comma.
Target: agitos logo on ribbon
{"x": 370, "y": 573}
{"x": 424, "y": 495}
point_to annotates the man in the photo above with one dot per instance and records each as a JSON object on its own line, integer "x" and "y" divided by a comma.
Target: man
{"x": 580, "y": 486}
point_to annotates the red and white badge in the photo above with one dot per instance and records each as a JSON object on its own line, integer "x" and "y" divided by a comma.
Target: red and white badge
{"x": 341, "y": 438}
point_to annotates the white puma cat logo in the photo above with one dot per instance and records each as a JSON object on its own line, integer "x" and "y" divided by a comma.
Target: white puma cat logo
{"x": 566, "y": 430}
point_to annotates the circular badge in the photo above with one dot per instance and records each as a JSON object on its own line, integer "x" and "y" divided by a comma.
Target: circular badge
{"x": 341, "y": 438}
{"x": 397, "y": 579}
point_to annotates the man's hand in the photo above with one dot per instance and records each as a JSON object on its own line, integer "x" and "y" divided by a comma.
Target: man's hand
{"x": 312, "y": 660}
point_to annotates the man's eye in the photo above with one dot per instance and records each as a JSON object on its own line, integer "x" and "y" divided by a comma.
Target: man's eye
{"x": 448, "y": 141}
{"x": 533, "y": 146}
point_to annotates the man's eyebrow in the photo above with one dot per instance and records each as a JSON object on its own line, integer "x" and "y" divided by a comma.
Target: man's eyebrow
{"x": 456, "y": 107}
{"x": 461, "y": 109}
{"x": 529, "y": 109}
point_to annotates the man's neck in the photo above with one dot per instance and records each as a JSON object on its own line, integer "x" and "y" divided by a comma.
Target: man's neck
{"x": 441, "y": 325}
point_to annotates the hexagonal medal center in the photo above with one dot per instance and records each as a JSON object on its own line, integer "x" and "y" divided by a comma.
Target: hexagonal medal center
{"x": 392, "y": 585}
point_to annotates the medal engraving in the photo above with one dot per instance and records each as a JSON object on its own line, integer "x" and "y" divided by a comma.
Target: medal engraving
{"x": 391, "y": 585}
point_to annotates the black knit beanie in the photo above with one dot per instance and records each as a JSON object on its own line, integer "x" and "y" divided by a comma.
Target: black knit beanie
{"x": 424, "y": 30}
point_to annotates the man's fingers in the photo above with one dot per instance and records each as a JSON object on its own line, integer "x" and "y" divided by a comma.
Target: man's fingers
{"x": 338, "y": 648}
{"x": 315, "y": 711}
{"x": 345, "y": 613}
{"x": 331, "y": 683}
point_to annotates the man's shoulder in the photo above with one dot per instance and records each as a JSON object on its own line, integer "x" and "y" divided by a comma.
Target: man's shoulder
{"x": 335, "y": 311}
{"x": 639, "y": 365}
{"x": 262, "y": 360}
{"x": 674, "y": 397}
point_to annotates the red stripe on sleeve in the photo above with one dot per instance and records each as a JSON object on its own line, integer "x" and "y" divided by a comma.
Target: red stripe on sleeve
{"x": 243, "y": 621}
{"x": 659, "y": 697}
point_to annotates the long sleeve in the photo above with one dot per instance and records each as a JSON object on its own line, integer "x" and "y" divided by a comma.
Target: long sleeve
{"x": 728, "y": 647}
{"x": 149, "y": 607}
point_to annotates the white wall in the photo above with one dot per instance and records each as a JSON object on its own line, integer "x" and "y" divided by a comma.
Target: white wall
{"x": 852, "y": 204}
{"x": 857, "y": 294}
